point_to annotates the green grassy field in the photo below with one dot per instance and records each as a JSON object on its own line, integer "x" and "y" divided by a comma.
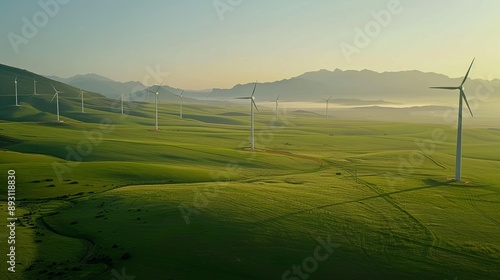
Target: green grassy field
{"x": 103, "y": 192}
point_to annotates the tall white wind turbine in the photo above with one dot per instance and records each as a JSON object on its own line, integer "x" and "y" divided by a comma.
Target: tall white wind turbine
{"x": 252, "y": 105}
{"x": 81, "y": 95}
{"x": 462, "y": 97}
{"x": 15, "y": 85}
{"x": 56, "y": 95}
{"x": 156, "y": 104}
{"x": 327, "y": 102}
{"x": 34, "y": 86}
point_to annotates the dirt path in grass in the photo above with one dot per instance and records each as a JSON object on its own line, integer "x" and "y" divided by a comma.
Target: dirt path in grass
{"x": 89, "y": 245}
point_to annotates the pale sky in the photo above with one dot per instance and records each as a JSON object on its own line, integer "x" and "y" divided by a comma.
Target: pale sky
{"x": 216, "y": 44}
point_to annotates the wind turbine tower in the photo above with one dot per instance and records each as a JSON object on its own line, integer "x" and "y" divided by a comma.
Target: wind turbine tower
{"x": 15, "y": 85}
{"x": 277, "y": 103}
{"x": 156, "y": 104}
{"x": 327, "y": 102}
{"x": 180, "y": 96}
{"x": 56, "y": 95}
{"x": 461, "y": 98}
{"x": 122, "y": 102}
{"x": 252, "y": 105}
{"x": 81, "y": 95}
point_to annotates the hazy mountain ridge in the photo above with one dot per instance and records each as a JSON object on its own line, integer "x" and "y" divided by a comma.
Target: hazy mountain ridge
{"x": 399, "y": 87}
{"x": 96, "y": 83}
{"x": 364, "y": 87}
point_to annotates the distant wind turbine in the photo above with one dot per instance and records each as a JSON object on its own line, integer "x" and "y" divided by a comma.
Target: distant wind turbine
{"x": 462, "y": 97}
{"x": 15, "y": 85}
{"x": 327, "y": 102}
{"x": 252, "y": 105}
{"x": 34, "y": 86}
{"x": 81, "y": 95}
{"x": 180, "y": 96}
{"x": 122, "y": 101}
{"x": 56, "y": 95}
{"x": 277, "y": 103}
{"x": 156, "y": 103}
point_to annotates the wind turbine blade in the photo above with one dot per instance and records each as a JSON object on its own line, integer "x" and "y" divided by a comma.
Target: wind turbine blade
{"x": 53, "y": 87}
{"x": 467, "y": 74}
{"x": 158, "y": 88}
{"x": 182, "y": 92}
{"x": 450, "y": 88}
{"x": 254, "y": 86}
{"x": 329, "y": 98}
{"x": 15, "y": 80}
{"x": 150, "y": 91}
{"x": 53, "y": 97}
{"x": 462, "y": 93}
{"x": 243, "y": 98}
{"x": 255, "y": 105}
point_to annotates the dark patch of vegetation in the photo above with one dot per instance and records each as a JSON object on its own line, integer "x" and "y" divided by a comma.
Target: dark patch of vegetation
{"x": 102, "y": 259}
{"x": 125, "y": 256}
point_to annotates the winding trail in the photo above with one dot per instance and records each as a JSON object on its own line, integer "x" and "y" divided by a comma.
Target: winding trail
{"x": 89, "y": 244}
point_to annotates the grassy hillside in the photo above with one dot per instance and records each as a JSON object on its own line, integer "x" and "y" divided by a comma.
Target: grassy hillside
{"x": 102, "y": 192}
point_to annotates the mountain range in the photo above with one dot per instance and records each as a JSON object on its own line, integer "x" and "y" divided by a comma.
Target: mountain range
{"x": 348, "y": 87}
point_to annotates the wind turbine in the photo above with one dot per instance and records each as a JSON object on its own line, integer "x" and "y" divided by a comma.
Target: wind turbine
{"x": 81, "y": 95}
{"x": 180, "y": 96}
{"x": 34, "y": 86}
{"x": 327, "y": 102}
{"x": 56, "y": 95}
{"x": 252, "y": 104}
{"x": 122, "y": 101}
{"x": 15, "y": 85}
{"x": 462, "y": 97}
{"x": 277, "y": 106}
{"x": 156, "y": 103}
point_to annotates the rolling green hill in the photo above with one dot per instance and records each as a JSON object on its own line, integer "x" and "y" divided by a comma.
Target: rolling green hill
{"x": 102, "y": 194}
